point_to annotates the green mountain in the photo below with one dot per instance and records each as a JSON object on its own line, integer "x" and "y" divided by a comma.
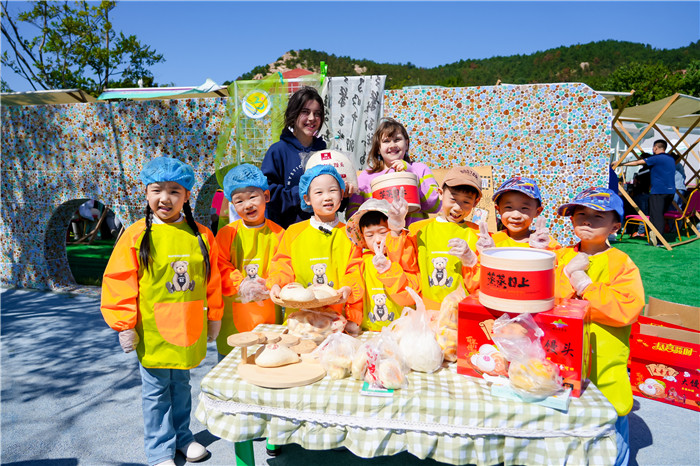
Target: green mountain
{"x": 593, "y": 63}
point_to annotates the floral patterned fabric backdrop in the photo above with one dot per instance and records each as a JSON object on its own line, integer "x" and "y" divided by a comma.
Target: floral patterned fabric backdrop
{"x": 355, "y": 109}
{"x": 54, "y": 157}
{"x": 558, "y": 134}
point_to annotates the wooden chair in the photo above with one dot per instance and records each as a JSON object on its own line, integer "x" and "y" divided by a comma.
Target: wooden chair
{"x": 689, "y": 214}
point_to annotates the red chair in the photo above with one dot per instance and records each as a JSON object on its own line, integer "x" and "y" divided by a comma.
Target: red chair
{"x": 688, "y": 215}
{"x": 634, "y": 220}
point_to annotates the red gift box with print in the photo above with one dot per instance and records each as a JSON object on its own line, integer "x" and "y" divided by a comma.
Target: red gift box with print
{"x": 665, "y": 354}
{"x": 566, "y": 330}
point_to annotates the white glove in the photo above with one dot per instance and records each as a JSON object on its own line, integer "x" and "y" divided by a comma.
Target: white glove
{"x": 460, "y": 249}
{"x": 539, "y": 239}
{"x": 213, "y": 328}
{"x": 580, "y": 262}
{"x": 128, "y": 339}
{"x": 485, "y": 240}
{"x": 579, "y": 281}
{"x": 397, "y": 210}
{"x": 380, "y": 261}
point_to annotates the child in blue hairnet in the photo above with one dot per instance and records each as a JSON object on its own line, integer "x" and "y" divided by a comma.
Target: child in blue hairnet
{"x": 246, "y": 247}
{"x": 161, "y": 291}
{"x": 315, "y": 251}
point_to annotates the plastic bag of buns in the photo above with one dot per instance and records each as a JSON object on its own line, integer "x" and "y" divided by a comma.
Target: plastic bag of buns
{"x": 416, "y": 337}
{"x": 380, "y": 363}
{"x": 336, "y": 354}
{"x": 315, "y": 324}
{"x": 447, "y": 324}
{"x": 530, "y": 374}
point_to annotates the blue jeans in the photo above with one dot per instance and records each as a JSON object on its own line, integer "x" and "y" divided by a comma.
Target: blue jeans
{"x": 167, "y": 403}
{"x": 622, "y": 436}
{"x": 642, "y": 201}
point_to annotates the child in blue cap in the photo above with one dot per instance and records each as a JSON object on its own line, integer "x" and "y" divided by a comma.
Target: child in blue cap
{"x": 317, "y": 250}
{"x": 518, "y": 202}
{"x": 608, "y": 279}
{"x": 161, "y": 291}
{"x": 246, "y": 247}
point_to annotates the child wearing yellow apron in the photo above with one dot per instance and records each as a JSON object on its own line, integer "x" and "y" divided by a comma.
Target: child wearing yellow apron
{"x": 518, "y": 202}
{"x": 161, "y": 291}
{"x": 608, "y": 279}
{"x": 446, "y": 244}
{"x": 378, "y": 282}
{"x": 317, "y": 250}
{"x": 246, "y": 247}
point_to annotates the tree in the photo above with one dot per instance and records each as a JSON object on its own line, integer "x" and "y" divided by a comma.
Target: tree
{"x": 650, "y": 82}
{"x": 76, "y": 47}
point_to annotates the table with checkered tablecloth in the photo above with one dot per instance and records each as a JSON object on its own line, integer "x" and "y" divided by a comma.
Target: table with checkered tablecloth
{"x": 445, "y": 416}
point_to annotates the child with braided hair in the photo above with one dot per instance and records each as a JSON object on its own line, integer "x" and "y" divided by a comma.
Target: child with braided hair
{"x": 161, "y": 291}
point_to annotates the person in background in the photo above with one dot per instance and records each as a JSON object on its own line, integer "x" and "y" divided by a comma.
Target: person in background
{"x": 608, "y": 279}
{"x": 161, "y": 291}
{"x": 679, "y": 177}
{"x": 641, "y": 184}
{"x": 282, "y": 163}
{"x": 389, "y": 153}
{"x": 663, "y": 183}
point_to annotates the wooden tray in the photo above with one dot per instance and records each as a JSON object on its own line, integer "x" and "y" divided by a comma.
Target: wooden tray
{"x": 291, "y": 375}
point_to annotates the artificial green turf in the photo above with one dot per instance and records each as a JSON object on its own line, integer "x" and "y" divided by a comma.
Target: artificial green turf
{"x": 669, "y": 275}
{"x": 88, "y": 261}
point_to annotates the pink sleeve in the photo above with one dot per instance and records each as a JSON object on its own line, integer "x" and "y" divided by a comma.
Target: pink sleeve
{"x": 428, "y": 187}
{"x": 364, "y": 192}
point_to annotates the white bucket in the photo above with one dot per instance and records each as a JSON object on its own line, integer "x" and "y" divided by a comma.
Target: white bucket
{"x": 383, "y": 184}
{"x": 517, "y": 280}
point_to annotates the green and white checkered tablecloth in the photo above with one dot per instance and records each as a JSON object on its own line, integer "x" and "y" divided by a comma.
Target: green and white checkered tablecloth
{"x": 445, "y": 416}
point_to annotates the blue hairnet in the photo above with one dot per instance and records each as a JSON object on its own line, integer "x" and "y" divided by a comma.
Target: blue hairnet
{"x": 309, "y": 175}
{"x": 244, "y": 175}
{"x": 162, "y": 169}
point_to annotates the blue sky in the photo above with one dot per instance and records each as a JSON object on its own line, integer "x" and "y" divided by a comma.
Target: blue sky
{"x": 222, "y": 40}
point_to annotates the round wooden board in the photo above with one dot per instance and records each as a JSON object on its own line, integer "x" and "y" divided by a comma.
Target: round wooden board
{"x": 289, "y": 340}
{"x": 243, "y": 339}
{"x": 304, "y": 346}
{"x": 291, "y": 375}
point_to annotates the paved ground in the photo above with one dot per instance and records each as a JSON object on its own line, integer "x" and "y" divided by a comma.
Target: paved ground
{"x": 70, "y": 396}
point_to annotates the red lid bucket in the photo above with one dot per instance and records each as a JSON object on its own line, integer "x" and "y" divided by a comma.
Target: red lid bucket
{"x": 517, "y": 280}
{"x": 383, "y": 184}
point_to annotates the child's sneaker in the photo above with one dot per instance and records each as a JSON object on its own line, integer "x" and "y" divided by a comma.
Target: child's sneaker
{"x": 194, "y": 451}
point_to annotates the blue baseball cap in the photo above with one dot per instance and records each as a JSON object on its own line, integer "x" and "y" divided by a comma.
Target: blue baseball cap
{"x": 244, "y": 175}
{"x": 524, "y": 185}
{"x": 308, "y": 177}
{"x": 162, "y": 169}
{"x": 601, "y": 199}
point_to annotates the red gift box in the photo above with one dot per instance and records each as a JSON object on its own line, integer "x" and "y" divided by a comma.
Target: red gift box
{"x": 665, "y": 354}
{"x": 566, "y": 340}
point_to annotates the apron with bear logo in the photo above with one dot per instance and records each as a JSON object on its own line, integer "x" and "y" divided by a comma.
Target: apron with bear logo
{"x": 380, "y": 309}
{"x": 251, "y": 252}
{"x": 440, "y": 271}
{"x": 172, "y": 300}
{"x": 320, "y": 258}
